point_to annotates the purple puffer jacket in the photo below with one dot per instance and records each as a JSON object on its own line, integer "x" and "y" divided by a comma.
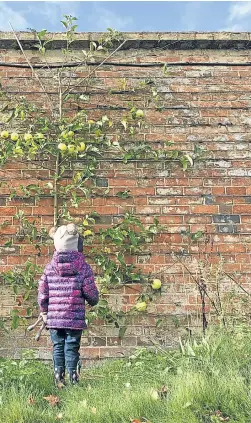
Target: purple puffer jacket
{"x": 66, "y": 283}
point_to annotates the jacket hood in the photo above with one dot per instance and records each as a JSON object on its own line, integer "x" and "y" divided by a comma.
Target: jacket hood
{"x": 67, "y": 263}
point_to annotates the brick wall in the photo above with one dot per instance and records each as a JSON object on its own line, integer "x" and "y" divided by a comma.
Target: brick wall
{"x": 203, "y": 105}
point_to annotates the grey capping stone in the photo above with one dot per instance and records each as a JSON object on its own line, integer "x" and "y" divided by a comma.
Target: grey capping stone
{"x": 136, "y": 40}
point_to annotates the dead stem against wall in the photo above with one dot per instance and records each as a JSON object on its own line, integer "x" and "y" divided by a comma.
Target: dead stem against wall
{"x": 191, "y": 104}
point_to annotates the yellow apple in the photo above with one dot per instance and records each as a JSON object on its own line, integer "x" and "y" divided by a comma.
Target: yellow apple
{"x": 14, "y": 136}
{"x": 156, "y": 284}
{"x": 64, "y": 134}
{"x": 154, "y": 394}
{"x": 62, "y": 146}
{"x": 88, "y": 232}
{"x": 70, "y": 134}
{"x": 28, "y": 137}
{"x": 4, "y": 134}
{"x": 81, "y": 146}
{"x": 139, "y": 113}
{"x": 71, "y": 148}
{"x": 141, "y": 306}
{"x": 85, "y": 222}
{"x": 18, "y": 150}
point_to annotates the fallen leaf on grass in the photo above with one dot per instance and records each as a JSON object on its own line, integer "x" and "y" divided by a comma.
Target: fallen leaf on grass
{"x": 52, "y": 400}
{"x": 59, "y": 416}
{"x": 94, "y": 410}
{"x": 163, "y": 392}
{"x": 60, "y": 385}
{"x": 31, "y": 400}
{"x": 220, "y": 416}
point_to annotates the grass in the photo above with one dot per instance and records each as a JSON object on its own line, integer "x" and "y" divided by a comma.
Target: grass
{"x": 206, "y": 381}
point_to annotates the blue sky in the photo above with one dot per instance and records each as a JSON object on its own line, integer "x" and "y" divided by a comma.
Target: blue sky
{"x": 129, "y": 15}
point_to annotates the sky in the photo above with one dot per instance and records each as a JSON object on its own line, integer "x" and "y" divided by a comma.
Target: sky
{"x": 127, "y": 16}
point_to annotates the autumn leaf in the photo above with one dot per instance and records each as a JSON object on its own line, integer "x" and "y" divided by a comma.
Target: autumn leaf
{"x": 52, "y": 400}
{"x": 220, "y": 416}
{"x": 60, "y": 385}
{"x": 59, "y": 416}
{"x": 142, "y": 420}
{"x": 163, "y": 392}
{"x": 31, "y": 400}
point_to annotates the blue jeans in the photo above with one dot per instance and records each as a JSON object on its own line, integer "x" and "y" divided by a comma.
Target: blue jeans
{"x": 66, "y": 344}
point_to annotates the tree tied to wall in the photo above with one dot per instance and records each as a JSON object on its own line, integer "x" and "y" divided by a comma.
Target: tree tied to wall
{"x": 62, "y": 137}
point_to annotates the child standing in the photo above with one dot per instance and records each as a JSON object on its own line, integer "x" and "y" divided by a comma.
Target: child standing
{"x": 67, "y": 282}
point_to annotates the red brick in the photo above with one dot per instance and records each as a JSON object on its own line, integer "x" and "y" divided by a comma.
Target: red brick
{"x": 205, "y": 209}
{"x": 43, "y": 210}
{"x": 242, "y": 209}
{"x": 8, "y": 211}
{"x": 170, "y": 219}
{"x": 14, "y": 260}
{"x": 227, "y": 248}
{"x": 236, "y": 190}
{"x": 119, "y": 182}
{"x": 148, "y": 210}
{"x": 30, "y": 250}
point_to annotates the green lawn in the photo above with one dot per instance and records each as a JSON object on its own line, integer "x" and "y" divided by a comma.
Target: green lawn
{"x": 206, "y": 381}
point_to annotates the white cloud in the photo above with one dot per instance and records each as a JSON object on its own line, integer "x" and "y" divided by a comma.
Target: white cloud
{"x": 103, "y": 18}
{"x": 239, "y": 10}
{"x": 238, "y": 17}
{"x": 17, "y": 19}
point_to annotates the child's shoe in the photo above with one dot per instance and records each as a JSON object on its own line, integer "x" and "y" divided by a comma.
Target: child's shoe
{"x": 74, "y": 374}
{"x": 59, "y": 377}
{"x": 74, "y": 377}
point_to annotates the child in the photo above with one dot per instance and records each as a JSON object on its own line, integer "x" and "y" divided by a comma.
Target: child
{"x": 67, "y": 282}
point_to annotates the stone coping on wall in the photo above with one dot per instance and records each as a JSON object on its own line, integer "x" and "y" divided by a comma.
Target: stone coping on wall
{"x": 138, "y": 40}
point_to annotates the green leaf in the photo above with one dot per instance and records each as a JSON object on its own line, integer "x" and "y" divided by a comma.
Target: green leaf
{"x": 123, "y": 194}
{"x": 120, "y": 258}
{"x": 133, "y": 239}
{"x": 184, "y": 165}
{"x": 8, "y": 244}
{"x": 42, "y": 33}
{"x": 158, "y": 323}
{"x": 189, "y": 158}
{"x": 122, "y": 331}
